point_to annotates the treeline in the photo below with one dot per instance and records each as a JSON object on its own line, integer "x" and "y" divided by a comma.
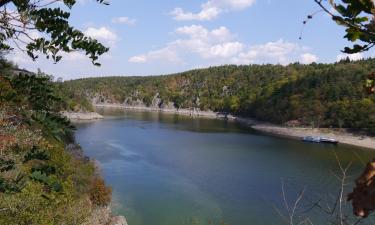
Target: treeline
{"x": 318, "y": 95}
{"x": 44, "y": 176}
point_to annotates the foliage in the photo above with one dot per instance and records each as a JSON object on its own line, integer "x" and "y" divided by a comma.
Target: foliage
{"x": 100, "y": 194}
{"x": 319, "y": 95}
{"x": 18, "y": 18}
{"x": 358, "y": 18}
{"x": 36, "y": 94}
{"x": 40, "y": 182}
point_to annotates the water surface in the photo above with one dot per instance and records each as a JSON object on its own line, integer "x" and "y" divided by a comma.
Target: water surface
{"x": 170, "y": 170}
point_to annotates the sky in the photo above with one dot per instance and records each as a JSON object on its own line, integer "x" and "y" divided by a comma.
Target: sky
{"x": 148, "y": 37}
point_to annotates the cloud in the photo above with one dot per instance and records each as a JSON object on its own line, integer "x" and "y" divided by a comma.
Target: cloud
{"x": 352, "y": 57}
{"x": 74, "y": 56}
{"x": 205, "y": 14}
{"x": 198, "y": 32}
{"x": 224, "y": 50}
{"x": 211, "y": 9}
{"x": 219, "y": 46}
{"x": 124, "y": 20}
{"x": 198, "y": 40}
{"x": 19, "y": 57}
{"x": 138, "y": 59}
{"x": 308, "y": 58}
{"x": 165, "y": 54}
{"x": 102, "y": 34}
{"x": 280, "y": 52}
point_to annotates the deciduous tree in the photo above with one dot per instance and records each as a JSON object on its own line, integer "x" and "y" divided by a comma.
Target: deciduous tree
{"x": 41, "y": 27}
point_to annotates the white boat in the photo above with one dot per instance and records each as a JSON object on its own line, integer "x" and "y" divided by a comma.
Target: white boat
{"x": 317, "y": 139}
{"x": 311, "y": 139}
{"x": 329, "y": 140}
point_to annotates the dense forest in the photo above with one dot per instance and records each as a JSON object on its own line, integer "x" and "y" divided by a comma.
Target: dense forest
{"x": 44, "y": 176}
{"x": 318, "y": 95}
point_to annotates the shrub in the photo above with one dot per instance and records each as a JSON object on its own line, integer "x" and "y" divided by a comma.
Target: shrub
{"x": 100, "y": 194}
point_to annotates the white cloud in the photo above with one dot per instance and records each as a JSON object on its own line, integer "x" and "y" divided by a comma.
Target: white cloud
{"x": 352, "y": 57}
{"x": 198, "y": 40}
{"x": 219, "y": 46}
{"x": 199, "y": 32}
{"x": 73, "y": 56}
{"x": 231, "y": 4}
{"x": 308, "y": 58}
{"x": 138, "y": 59}
{"x": 205, "y": 14}
{"x": 124, "y": 20}
{"x": 102, "y": 34}
{"x": 19, "y": 57}
{"x": 224, "y": 50}
{"x": 281, "y": 52}
{"x": 211, "y": 9}
{"x": 165, "y": 54}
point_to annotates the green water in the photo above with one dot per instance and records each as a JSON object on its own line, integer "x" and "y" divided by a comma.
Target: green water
{"x": 171, "y": 170}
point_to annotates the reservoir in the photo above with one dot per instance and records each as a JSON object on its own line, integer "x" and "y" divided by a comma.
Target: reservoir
{"x": 168, "y": 169}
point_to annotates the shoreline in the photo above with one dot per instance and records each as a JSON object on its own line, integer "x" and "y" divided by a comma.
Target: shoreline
{"x": 185, "y": 112}
{"x": 342, "y": 136}
{"x": 82, "y": 116}
{"x": 100, "y": 215}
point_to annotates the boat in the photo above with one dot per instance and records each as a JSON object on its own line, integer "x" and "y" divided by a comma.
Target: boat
{"x": 329, "y": 140}
{"x": 311, "y": 139}
{"x": 317, "y": 139}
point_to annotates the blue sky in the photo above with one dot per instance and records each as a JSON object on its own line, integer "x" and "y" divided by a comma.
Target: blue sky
{"x": 166, "y": 36}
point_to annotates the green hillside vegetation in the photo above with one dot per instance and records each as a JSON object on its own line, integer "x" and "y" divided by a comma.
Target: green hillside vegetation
{"x": 44, "y": 177}
{"x": 318, "y": 95}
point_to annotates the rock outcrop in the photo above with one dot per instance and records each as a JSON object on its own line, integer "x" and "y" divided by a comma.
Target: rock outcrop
{"x": 103, "y": 216}
{"x": 118, "y": 220}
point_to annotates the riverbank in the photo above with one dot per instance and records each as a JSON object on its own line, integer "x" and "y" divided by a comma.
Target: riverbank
{"x": 82, "y": 116}
{"x": 343, "y": 136}
{"x": 101, "y": 215}
{"x": 186, "y": 112}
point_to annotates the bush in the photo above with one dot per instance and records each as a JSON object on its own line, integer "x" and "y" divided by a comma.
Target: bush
{"x": 100, "y": 194}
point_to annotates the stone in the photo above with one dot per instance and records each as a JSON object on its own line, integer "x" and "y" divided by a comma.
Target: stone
{"x": 118, "y": 220}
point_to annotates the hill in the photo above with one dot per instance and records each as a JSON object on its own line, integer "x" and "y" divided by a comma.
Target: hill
{"x": 318, "y": 95}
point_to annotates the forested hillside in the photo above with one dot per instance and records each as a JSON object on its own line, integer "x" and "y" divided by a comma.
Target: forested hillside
{"x": 319, "y": 95}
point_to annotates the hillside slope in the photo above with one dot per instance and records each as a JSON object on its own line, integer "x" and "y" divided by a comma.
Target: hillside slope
{"x": 44, "y": 176}
{"x": 319, "y": 95}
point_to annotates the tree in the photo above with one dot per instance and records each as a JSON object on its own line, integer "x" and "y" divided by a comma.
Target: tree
{"x": 20, "y": 19}
{"x": 358, "y": 16}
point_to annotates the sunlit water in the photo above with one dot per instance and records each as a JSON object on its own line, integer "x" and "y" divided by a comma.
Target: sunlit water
{"x": 173, "y": 170}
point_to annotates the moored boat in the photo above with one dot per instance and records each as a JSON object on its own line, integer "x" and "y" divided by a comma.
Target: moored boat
{"x": 311, "y": 139}
{"x": 317, "y": 139}
{"x": 329, "y": 140}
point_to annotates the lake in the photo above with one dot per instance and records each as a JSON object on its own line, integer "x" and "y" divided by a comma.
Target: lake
{"x": 169, "y": 169}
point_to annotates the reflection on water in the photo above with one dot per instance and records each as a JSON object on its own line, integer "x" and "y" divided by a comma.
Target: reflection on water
{"x": 168, "y": 169}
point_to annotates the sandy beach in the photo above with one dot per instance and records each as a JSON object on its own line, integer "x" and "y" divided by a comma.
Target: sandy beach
{"x": 296, "y": 132}
{"x": 82, "y": 116}
{"x": 342, "y": 135}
